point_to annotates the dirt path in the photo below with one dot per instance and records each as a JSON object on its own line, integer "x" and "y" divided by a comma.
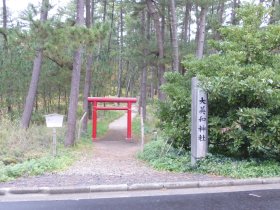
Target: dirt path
{"x": 111, "y": 160}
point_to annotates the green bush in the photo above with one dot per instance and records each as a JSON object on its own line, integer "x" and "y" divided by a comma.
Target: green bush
{"x": 163, "y": 156}
{"x": 175, "y": 112}
{"x": 243, "y": 84}
{"x": 35, "y": 166}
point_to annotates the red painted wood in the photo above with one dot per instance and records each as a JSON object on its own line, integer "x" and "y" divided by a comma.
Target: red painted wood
{"x": 111, "y": 108}
{"x": 94, "y": 121}
{"x": 112, "y": 100}
{"x": 95, "y": 108}
{"x": 129, "y": 121}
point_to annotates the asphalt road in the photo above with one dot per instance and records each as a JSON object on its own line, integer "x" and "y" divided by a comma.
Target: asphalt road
{"x": 247, "y": 200}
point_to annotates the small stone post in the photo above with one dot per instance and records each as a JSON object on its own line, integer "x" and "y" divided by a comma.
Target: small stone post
{"x": 199, "y": 131}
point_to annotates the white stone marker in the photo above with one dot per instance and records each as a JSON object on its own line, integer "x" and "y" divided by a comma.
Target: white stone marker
{"x": 199, "y": 132}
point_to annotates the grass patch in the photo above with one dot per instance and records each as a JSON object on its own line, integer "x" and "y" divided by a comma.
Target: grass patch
{"x": 149, "y": 124}
{"x": 35, "y": 166}
{"x": 162, "y": 156}
{"x": 28, "y": 152}
{"x": 104, "y": 119}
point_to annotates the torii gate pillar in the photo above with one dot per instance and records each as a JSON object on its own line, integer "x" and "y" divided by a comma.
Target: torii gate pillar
{"x": 95, "y": 108}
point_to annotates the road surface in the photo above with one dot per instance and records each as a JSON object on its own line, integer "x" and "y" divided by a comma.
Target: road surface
{"x": 262, "y": 199}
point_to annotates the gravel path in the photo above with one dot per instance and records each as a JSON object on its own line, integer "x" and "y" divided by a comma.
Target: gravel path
{"x": 111, "y": 160}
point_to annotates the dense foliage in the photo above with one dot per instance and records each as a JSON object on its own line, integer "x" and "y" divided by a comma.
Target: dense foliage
{"x": 242, "y": 80}
{"x": 161, "y": 156}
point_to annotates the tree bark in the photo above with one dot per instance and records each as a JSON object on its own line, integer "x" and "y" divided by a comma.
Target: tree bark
{"x": 6, "y": 51}
{"x": 187, "y": 21}
{"x": 220, "y": 12}
{"x": 155, "y": 16}
{"x": 175, "y": 48}
{"x": 119, "y": 91}
{"x": 111, "y": 29}
{"x": 201, "y": 32}
{"x": 75, "y": 83}
{"x": 4, "y": 15}
{"x": 88, "y": 13}
{"x": 152, "y": 82}
{"x": 104, "y": 11}
{"x": 92, "y": 10}
{"x": 88, "y": 75}
{"x": 236, "y": 4}
{"x": 5, "y": 20}
{"x": 37, "y": 64}
{"x": 272, "y": 18}
{"x": 197, "y": 23}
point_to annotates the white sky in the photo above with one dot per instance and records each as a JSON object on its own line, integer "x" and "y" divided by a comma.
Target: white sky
{"x": 19, "y": 5}
{"x": 16, "y": 6}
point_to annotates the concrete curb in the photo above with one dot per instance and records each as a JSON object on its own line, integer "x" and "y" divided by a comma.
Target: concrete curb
{"x": 68, "y": 190}
{"x": 108, "y": 188}
{"x": 139, "y": 186}
{"x": 26, "y": 190}
{"x": 146, "y": 186}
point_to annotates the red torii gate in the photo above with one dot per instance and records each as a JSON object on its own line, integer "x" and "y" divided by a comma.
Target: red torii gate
{"x": 95, "y": 108}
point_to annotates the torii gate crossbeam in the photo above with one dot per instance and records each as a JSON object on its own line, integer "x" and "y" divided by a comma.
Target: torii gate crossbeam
{"x": 95, "y": 108}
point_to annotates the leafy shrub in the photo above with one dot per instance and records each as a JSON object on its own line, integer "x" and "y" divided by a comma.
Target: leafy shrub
{"x": 175, "y": 112}
{"x": 242, "y": 80}
{"x": 35, "y": 166}
{"x": 161, "y": 155}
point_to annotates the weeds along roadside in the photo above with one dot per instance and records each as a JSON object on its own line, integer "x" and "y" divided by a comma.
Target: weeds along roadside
{"x": 29, "y": 152}
{"x": 159, "y": 154}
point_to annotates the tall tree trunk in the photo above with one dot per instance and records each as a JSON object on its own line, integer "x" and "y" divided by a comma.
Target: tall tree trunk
{"x": 29, "y": 102}
{"x": 220, "y": 12}
{"x": 145, "y": 29}
{"x": 6, "y": 51}
{"x": 201, "y": 32}
{"x": 119, "y": 91}
{"x": 59, "y": 99}
{"x": 75, "y": 83}
{"x": 236, "y": 4}
{"x": 272, "y": 15}
{"x": 187, "y": 21}
{"x": 92, "y": 10}
{"x": 144, "y": 87}
{"x": 87, "y": 85}
{"x": 155, "y": 16}
{"x": 5, "y": 20}
{"x": 152, "y": 82}
{"x": 104, "y": 11}
{"x": 4, "y": 15}
{"x": 175, "y": 48}
{"x": 129, "y": 77}
{"x": 197, "y": 23}
{"x": 111, "y": 29}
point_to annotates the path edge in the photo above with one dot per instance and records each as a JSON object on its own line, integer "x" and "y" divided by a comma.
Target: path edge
{"x": 138, "y": 186}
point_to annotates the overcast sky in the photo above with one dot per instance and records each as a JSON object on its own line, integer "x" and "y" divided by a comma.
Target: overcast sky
{"x": 19, "y": 5}
{"x": 16, "y": 6}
